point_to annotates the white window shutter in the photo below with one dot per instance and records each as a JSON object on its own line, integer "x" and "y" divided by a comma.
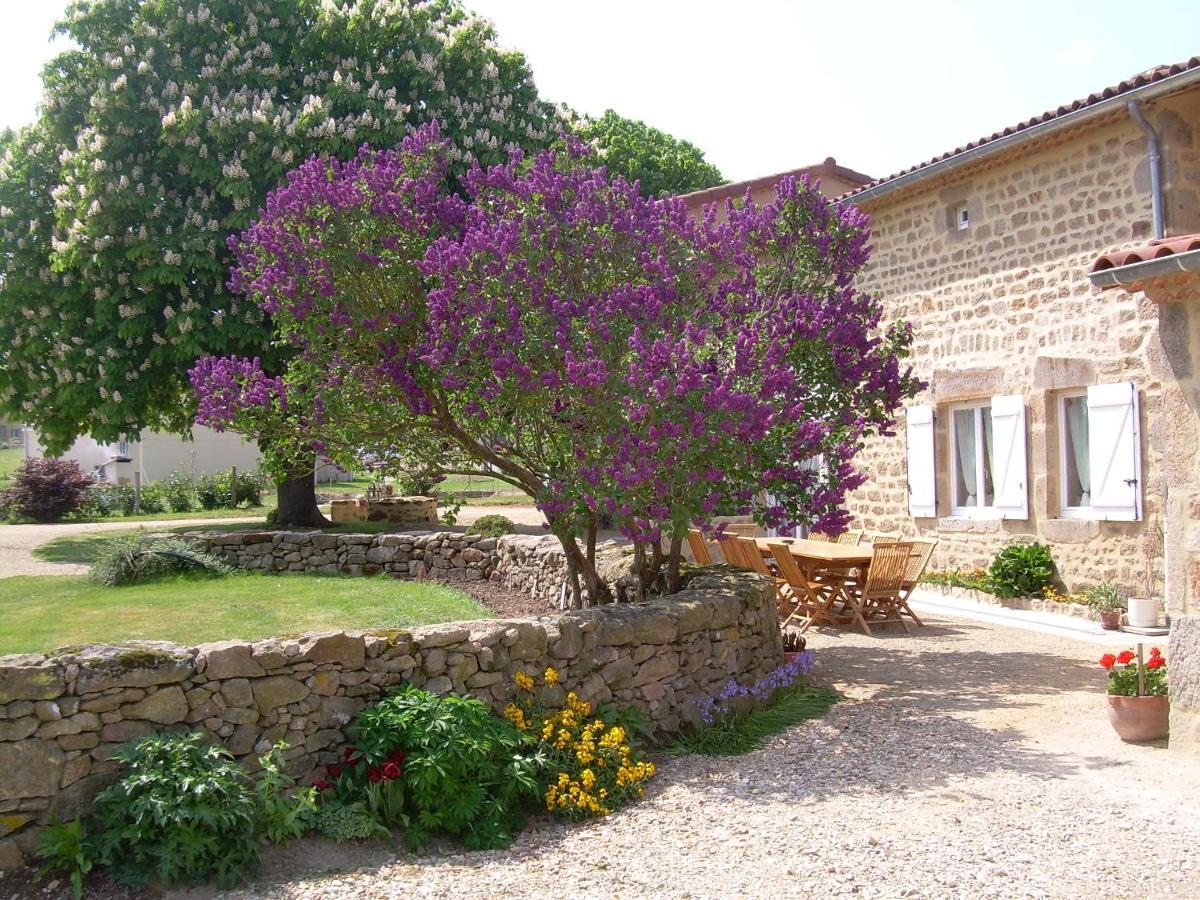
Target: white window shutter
{"x": 922, "y": 496}
{"x": 1009, "y": 479}
{"x": 1115, "y": 451}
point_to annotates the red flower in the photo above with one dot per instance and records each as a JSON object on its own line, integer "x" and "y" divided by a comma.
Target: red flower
{"x": 350, "y": 758}
{"x": 334, "y": 770}
{"x": 390, "y": 771}
{"x": 1156, "y": 662}
{"x": 1108, "y": 660}
{"x": 375, "y": 775}
{"x": 397, "y": 757}
{"x": 1125, "y": 657}
{"x": 1154, "y": 651}
{"x": 322, "y": 785}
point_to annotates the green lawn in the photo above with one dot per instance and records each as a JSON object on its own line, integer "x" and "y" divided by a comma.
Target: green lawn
{"x": 39, "y": 613}
{"x": 10, "y": 458}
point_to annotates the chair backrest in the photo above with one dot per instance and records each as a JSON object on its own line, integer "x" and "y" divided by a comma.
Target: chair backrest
{"x": 788, "y": 567}
{"x": 889, "y": 562}
{"x": 850, "y": 538}
{"x": 922, "y": 550}
{"x": 753, "y": 556}
{"x": 731, "y": 550}
{"x": 699, "y": 547}
{"x": 873, "y": 537}
{"x": 742, "y": 529}
{"x": 820, "y": 536}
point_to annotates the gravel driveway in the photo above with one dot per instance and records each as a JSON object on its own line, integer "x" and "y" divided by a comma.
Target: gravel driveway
{"x": 969, "y": 761}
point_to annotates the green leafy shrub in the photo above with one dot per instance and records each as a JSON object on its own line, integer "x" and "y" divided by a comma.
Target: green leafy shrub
{"x": 66, "y": 849}
{"x": 154, "y": 499}
{"x": 1105, "y": 597}
{"x": 181, "y": 813}
{"x": 45, "y": 490}
{"x": 1022, "y": 569}
{"x": 492, "y": 526}
{"x": 418, "y": 483}
{"x": 214, "y": 490}
{"x": 145, "y": 556}
{"x": 348, "y": 822}
{"x": 465, "y": 772}
{"x": 177, "y": 492}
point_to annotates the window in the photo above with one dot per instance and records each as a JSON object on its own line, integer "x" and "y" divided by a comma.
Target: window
{"x": 971, "y": 453}
{"x": 122, "y": 448}
{"x": 963, "y": 218}
{"x": 1100, "y": 465}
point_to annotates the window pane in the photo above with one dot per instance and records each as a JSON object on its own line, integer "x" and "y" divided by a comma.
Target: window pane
{"x": 965, "y": 462}
{"x": 1077, "y": 475}
{"x": 987, "y": 493}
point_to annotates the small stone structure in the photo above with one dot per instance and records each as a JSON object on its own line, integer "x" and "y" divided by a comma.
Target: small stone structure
{"x": 393, "y": 510}
{"x": 63, "y": 714}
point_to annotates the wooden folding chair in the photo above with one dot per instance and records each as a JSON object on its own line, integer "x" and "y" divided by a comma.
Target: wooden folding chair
{"x": 731, "y": 550}
{"x": 812, "y": 600}
{"x": 921, "y": 553}
{"x": 699, "y": 547}
{"x": 742, "y": 529}
{"x": 819, "y": 536}
{"x": 851, "y": 538}
{"x": 879, "y": 597}
{"x": 754, "y": 560}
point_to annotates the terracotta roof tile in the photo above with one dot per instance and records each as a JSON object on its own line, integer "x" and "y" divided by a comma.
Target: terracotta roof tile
{"x": 1158, "y": 73}
{"x": 1154, "y": 250}
{"x": 827, "y": 169}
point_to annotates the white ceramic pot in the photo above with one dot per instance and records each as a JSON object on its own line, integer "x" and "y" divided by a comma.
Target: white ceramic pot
{"x": 1143, "y": 612}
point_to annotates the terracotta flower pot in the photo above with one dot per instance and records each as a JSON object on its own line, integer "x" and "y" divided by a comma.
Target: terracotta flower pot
{"x": 1110, "y": 620}
{"x": 1139, "y": 718}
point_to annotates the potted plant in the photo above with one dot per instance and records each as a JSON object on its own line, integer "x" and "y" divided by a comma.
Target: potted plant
{"x": 1138, "y": 708}
{"x": 793, "y": 644}
{"x": 1106, "y": 600}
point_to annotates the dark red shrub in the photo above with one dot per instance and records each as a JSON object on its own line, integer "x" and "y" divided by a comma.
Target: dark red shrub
{"x": 45, "y": 490}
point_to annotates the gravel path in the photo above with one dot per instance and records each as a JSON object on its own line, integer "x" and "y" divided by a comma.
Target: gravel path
{"x": 969, "y": 761}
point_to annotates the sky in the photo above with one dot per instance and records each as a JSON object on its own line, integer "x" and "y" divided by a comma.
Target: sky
{"x": 763, "y": 86}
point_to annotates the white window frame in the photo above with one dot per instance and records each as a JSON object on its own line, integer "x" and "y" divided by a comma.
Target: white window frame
{"x": 962, "y": 217}
{"x": 970, "y": 512}
{"x": 1066, "y": 511}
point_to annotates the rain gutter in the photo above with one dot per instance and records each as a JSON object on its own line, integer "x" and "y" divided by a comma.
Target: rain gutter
{"x": 1124, "y": 276}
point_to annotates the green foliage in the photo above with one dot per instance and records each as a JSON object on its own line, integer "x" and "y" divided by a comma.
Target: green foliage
{"x": 215, "y": 490}
{"x": 348, "y": 822}
{"x": 146, "y": 556}
{"x": 1022, "y": 569}
{"x": 418, "y": 482}
{"x": 493, "y": 525}
{"x": 181, "y": 813}
{"x": 466, "y": 772}
{"x": 663, "y": 164}
{"x": 973, "y": 579}
{"x": 66, "y": 850}
{"x": 1105, "y": 597}
{"x": 177, "y": 492}
{"x": 745, "y": 732}
{"x": 284, "y": 813}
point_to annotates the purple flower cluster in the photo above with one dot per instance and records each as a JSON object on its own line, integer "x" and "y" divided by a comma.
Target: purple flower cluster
{"x": 712, "y": 709}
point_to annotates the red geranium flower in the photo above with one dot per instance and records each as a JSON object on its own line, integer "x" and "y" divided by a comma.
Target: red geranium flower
{"x": 397, "y": 757}
{"x": 334, "y": 770}
{"x": 390, "y": 771}
{"x": 1125, "y": 657}
{"x": 1154, "y": 651}
{"x": 375, "y": 775}
{"x": 322, "y": 785}
{"x": 350, "y": 758}
{"x": 1108, "y": 660}
{"x": 1156, "y": 662}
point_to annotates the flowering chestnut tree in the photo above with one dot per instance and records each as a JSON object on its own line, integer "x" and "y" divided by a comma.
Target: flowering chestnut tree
{"x": 603, "y": 351}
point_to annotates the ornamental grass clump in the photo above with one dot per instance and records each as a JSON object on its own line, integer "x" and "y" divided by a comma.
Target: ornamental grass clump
{"x": 145, "y": 557}
{"x": 591, "y": 765}
{"x": 1129, "y": 677}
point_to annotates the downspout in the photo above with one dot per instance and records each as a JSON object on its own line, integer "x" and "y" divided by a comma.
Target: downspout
{"x": 1154, "y": 161}
{"x": 1154, "y": 158}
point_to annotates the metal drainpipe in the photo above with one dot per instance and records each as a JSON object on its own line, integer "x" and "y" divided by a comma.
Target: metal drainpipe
{"x": 1154, "y": 158}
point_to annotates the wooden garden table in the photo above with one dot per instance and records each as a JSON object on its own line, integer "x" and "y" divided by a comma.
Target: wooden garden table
{"x": 834, "y": 564}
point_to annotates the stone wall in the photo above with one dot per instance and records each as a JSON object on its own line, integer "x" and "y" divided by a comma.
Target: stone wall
{"x": 1005, "y": 307}
{"x": 62, "y": 715}
{"x": 395, "y": 510}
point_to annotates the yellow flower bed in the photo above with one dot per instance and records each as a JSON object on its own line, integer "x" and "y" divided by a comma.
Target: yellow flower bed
{"x": 593, "y": 768}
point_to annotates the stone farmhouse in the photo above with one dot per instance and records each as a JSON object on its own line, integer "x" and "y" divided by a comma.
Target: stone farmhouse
{"x": 1048, "y": 273}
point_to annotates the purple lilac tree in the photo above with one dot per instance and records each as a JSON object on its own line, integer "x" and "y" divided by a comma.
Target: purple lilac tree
{"x": 604, "y": 352}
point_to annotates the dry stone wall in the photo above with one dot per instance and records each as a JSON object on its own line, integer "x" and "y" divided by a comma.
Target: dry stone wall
{"x": 63, "y": 714}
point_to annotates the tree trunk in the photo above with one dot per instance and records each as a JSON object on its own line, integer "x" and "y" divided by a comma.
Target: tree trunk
{"x": 674, "y": 580}
{"x": 595, "y": 591}
{"x": 297, "y": 493}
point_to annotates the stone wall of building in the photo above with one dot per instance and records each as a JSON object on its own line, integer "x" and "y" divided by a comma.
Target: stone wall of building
{"x": 1005, "y": 307}
{"x": 62, "y": 715}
